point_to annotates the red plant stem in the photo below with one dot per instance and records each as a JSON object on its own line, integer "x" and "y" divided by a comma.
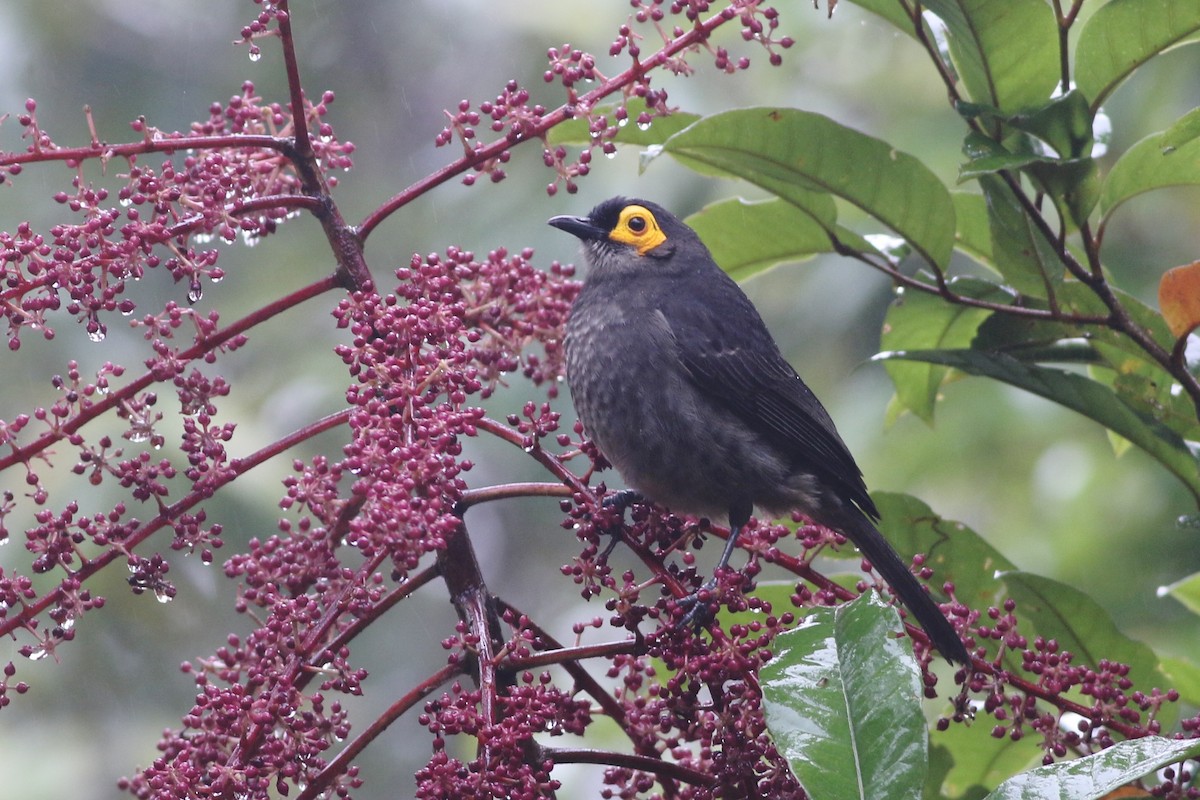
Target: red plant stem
{"x": 584, "y": 681}
{"x": 21, "y": 455}
{"x": 304, "y": 149}
{"x": 561, "y": 655}
{"x": 505, "y": 491}
{"x": 655, "y": 766}
{"x": 167, "y": 144}
{"x": 698, "y": 34}
{"x": 405, "y": 589}
{"x": 577, "y": 486}
{"x": 237, "y": 467}
{"x": 341, "y": 762}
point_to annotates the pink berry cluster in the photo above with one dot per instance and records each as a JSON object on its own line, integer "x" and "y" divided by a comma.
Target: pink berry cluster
{"x": 452, "y": 328}
{"x": 238, "y": 177}
{"x": 518, "y": 117}
{"x": 418, "y": 358}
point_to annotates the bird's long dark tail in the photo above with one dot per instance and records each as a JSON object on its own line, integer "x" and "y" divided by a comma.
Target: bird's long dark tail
{"x": 887, "y": 562}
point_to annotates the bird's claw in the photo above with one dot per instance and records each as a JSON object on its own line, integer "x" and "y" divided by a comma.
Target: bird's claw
{"x": 617, "y": 502}
{"x": 699, "y": 613}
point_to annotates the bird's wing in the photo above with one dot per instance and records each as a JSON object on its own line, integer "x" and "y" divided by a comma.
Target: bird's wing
{"x": 740, "y": 366}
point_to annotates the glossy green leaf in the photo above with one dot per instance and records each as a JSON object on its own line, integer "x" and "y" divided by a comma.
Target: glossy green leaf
{"x": 747, "y": 238}
{"x": 981, "y": 35}
{"x": 843, "y": 703}
{"x": 1150, "y": 164}
{"x": 1021, "y": 252}
{"x": 1079, "y": 393}
{"x": 1079, "y": 624}
{"x": 1124, "y": 34}
{"x": 786, "y": 152}
{"x": 1092, "y": 777}
{"x": 577, "y": 131}
{"x": 920, "y": 321}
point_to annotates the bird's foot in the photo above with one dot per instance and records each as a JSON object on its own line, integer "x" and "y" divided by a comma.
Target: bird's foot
{"x": 700, "y": 611}
{"x": 617, "y": 502}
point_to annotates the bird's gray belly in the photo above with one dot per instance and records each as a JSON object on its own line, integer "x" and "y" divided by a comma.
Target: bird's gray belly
{"x": 669, "y": 441}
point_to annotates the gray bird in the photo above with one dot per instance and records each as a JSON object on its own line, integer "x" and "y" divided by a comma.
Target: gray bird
{"x": 680, "y": 385}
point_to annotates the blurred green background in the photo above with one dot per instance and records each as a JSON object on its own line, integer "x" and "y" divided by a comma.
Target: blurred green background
{"x": 1039, "y": 482}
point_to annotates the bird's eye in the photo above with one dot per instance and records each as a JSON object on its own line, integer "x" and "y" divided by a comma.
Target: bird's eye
{"x": 637, "y": 228}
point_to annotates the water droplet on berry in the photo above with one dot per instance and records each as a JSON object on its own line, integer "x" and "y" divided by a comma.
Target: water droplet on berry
{"x": 255, "y": 54}
{"x": 96, "y": 335}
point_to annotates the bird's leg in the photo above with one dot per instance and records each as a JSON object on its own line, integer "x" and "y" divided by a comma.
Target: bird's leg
{"x": 618, "y": 502}
{"x": 699, "y": 613}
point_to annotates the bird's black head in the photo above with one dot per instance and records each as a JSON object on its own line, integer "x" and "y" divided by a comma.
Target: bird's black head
{"x": 621, "y": 230}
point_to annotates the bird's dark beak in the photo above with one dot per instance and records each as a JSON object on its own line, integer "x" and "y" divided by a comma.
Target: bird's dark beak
{"x": 578, "y": 226}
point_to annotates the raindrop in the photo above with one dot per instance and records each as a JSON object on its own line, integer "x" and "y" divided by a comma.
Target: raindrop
{"x": 643, "y": 126}
{"x": 96, "y": 335}
{"x": 255, "y": 54}
{"x": 195, "y": 292}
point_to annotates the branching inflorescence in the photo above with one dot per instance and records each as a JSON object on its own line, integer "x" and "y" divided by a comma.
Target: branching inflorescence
{"x": 361, "y": 529}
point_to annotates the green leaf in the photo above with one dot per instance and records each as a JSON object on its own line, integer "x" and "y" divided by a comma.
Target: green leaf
{"x": 1151, "y": 163}
{"x": 790, "y": 153}
{"x": 1094, "y": 776}
{"x": 1074, "y": 391}
{"x": 1184, "y": 130}
{"x": 1183, "y": 676}
{"x": 974, "y": 236}
{"x": 747, "y": 238}
{"x": 985, "y": 157}
{"x": 1078, "y": 623}
{"x": 1022, "y": 253}
{"x": 890, "y": 10}
{"x": 981, "y": 34}
{"x": 1073, "y": 184}
{"x": 577, "y": 131}
{"x": 954, "y": 551}
{"x": 843, "y": 703}
{"x": 1124, "y": 34}
{"x": 921, "y": 321}
{"x": 1065, "y": 123}
{"x": 981, "y": 761}
{"x": 1186, "y": 591}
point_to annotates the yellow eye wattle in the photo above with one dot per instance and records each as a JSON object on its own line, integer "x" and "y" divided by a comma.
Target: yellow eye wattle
{"x": 637, "y": 227}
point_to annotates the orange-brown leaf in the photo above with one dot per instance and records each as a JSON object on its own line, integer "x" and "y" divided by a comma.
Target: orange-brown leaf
{"x": 1179, "y": 298}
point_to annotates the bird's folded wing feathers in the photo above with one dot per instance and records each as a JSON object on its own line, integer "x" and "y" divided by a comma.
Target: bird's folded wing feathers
{"x": 754, "y": 381}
